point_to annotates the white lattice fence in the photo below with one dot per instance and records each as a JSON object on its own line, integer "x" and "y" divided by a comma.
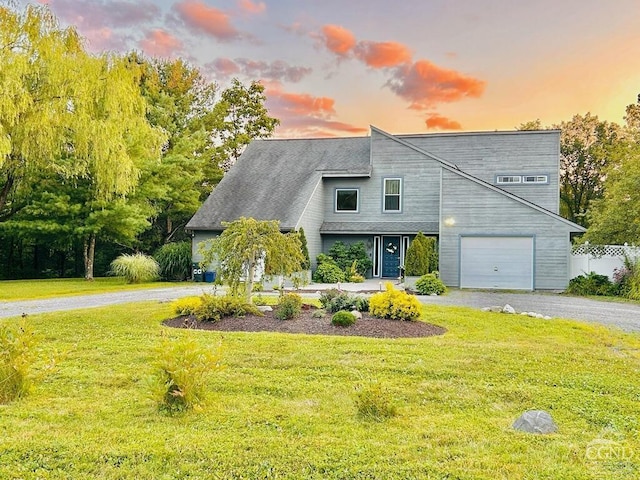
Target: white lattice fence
{"x": 602, "y": 259}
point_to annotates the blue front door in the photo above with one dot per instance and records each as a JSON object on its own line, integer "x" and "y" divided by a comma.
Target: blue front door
{"x": 391, "y": 257}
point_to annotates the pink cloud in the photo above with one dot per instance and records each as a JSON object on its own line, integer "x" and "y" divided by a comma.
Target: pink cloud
{"x": 209, "y": 20}
{"x": 160, "y": 43}
{"x": 436, "y": 121}
{"x": 278, "y": 70}
{"x": 425, "y": 85}
{"x": 338, "y": 39}
{"x": 248, "y": 6}
{"x": 305, "y": 115}
{"x": 382, "y": 54}
{"x": 97, "y": 14}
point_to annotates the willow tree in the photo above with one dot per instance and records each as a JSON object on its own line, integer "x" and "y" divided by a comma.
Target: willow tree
{"x": 63, "y": 110}
{"x": 245, "y": 244}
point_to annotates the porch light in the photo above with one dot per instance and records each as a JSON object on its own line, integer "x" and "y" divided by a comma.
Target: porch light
{"x": 449, "y": 221}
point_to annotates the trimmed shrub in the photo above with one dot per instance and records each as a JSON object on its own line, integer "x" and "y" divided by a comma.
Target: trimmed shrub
{"x": 343, "y": 318}
{"x": 187, "y": 305}
{"x": 345, "y": 256}
{"x": 430, "y": 284}
{"x": 136, "y": 268}
{"x": 183, "y": 369}
{"x": 306, "y": 264}
{"x": 422, "y": 256}
{"x": 212, "y": 308}
{"x": 395, "y": 305}
{"x": 335, "y": 300}
{"x": 374, "y": 403}
{"x": 591, "y": 284}
{"x": 289, "y": 306}
{"x": 17, "y": 355}
{"x": 328, "y": 273}
{"x": 174, "y": 260}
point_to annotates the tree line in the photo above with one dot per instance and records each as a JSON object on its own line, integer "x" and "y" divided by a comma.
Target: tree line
{"x": 104, "y": 154}
{"x": 108, "y": 154}
{"x": 600, "y": 175}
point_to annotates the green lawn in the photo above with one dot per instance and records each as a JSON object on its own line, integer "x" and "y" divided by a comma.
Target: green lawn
{"x": 283, "y": 408}
{"x": 35, "y": 289}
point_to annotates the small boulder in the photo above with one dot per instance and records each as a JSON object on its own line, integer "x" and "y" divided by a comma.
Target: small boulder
{"x": 532, "y": 314}
{"x": 356, "y": 314}
{"x": 535, "y": 421}
{"x": 265, "y": 308}
{"x": 547, "y": 317}
{"x": 508, "y": 309}
{"x": 539, "y": 315}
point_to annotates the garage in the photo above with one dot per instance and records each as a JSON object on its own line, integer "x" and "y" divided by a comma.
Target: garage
{"x": 496, "y": 262}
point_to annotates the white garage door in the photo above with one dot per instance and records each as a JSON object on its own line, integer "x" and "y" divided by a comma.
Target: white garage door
{"x": 496, "y": 262}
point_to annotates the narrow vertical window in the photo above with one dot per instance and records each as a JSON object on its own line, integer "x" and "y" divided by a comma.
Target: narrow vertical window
{"x": 392, "y": 194}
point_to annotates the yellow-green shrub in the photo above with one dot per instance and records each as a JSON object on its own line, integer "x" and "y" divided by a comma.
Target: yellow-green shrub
{"x": 395, "y": 304}
{"x": 187, "y": 305}
{"x": 212, "y": 308}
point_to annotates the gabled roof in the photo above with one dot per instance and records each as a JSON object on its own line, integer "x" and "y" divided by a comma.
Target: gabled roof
{"x": 274, "y": 179}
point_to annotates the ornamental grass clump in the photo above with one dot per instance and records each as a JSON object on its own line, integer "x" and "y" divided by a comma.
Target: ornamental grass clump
{"x": 395, "y": 305}
{"x": 183, "y": 368}
{"x": 136, "y": 268}
{"x": 174, "y": 260}
{"x": 212, "y": 308}
{"x": 374, "y": 403}
{"x": 17, "y": 355}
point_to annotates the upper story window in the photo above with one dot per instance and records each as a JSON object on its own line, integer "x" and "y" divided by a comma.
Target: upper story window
{"x": 508, "y": 179}
{"x": 535, "y": 179}
{"x": 521, "y": 179}
{"x": 347, "y": 200}
{"x": 392, "y": 194}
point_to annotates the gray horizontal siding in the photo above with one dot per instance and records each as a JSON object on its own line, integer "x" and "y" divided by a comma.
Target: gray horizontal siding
{"x": 311, "y": 220}
{"x": 493, "y": 214}
{"x": 487, "y": 154}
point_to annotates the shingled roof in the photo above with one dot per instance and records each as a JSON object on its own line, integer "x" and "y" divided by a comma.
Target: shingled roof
{"x": 274, "y": 179}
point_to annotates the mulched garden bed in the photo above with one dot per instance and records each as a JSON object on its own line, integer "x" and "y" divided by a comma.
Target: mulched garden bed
{"x": 305, "y": 323}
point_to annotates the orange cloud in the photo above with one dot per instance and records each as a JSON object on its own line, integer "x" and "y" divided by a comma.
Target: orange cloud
{"x": 248, "y": 6}
{"x": 338, "y": 39}
{"x": 382, "y": 54}
{"x": 209, "y": 20}
{"x": 160, "y": 43}
{"x": 436, "y": 121}
{"x": 305, "y": 115}
{"x": 425, "y": 85}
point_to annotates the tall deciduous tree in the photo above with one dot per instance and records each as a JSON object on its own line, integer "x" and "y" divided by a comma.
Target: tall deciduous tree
{"x": 245, "y": 118}
{"x": 585, "y": 148}
{"x": 247, "y": 242}
{"x": 615, "y": 218}
{"x": 77, "y": 116}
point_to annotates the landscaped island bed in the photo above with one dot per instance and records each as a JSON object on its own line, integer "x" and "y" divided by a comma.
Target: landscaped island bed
{"x": 305, "y": 323}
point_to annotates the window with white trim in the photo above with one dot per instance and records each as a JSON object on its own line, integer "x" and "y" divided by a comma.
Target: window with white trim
{"x": 535, "y": 179}
{"x": 392, "y": 195}
{"x": 346, "y": 200}
{"x": 508, "y": 179}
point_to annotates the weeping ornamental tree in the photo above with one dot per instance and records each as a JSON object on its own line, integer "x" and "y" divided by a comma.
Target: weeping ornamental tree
{"x": 244, "y": 245}
{"x": 75, "y": 117}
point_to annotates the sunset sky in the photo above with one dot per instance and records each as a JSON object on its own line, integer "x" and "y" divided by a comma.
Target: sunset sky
{"x": 334, "y": 67}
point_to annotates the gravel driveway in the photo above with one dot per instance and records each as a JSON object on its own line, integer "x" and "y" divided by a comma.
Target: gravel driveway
{"x": 625, "y": 316}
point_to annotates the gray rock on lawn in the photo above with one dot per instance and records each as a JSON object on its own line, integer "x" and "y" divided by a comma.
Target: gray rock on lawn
{"x": 535, "y": 421}
{"x": 508, "y": 309}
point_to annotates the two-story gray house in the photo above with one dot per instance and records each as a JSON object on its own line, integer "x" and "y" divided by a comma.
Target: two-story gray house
{"x": 491, "y": 199}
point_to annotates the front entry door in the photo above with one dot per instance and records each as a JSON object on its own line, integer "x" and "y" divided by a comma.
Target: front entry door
{"x": 391, "y": 257}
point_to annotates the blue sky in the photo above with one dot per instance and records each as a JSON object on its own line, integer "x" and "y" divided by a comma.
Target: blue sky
{"x": 334, "y": 67}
